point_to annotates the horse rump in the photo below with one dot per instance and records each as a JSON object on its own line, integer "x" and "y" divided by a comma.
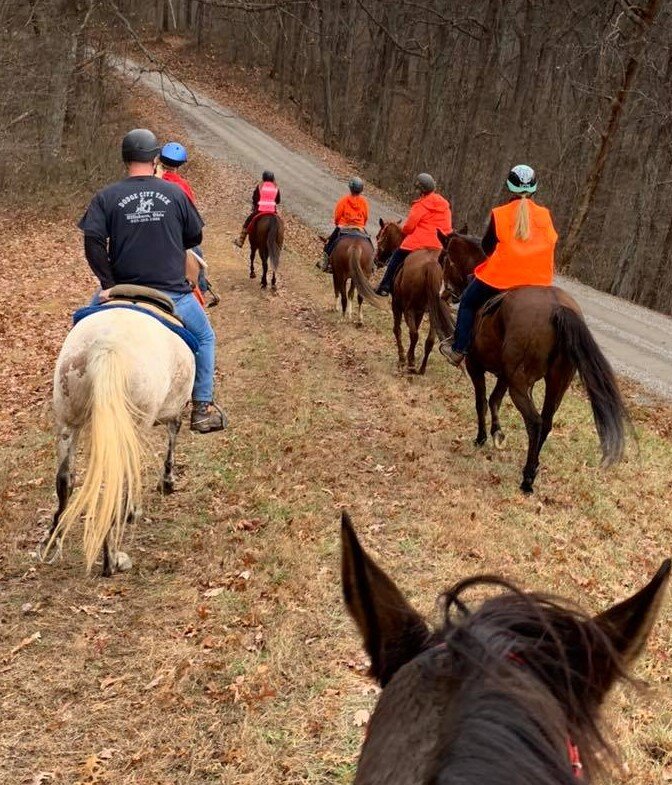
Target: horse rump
{"x": 362, "y": 284}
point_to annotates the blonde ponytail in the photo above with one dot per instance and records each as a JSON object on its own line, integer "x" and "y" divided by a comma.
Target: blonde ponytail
{"x": 522, "y": 227}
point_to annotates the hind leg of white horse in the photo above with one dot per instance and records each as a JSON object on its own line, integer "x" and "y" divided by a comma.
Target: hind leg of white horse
{"x": 168, "y": 479}
{"x": 114, "y": 561}
{"x": 495, "y": 401}
{"x": 65, "y": 480}
{"x": 253, "y": 253}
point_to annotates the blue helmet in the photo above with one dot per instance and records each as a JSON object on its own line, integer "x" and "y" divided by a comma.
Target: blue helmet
{"x": 173, "y": 154}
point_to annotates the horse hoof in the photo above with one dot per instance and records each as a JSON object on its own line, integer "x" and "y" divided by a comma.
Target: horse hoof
{"x": 264, "y": 285}
{"x": 359, "y": 325}
{"x": 526, "y": 487}
{"x": 499, "y": 440}
{"x": 51, "y": 555}
{"x": 166, "y": 487}
{"x": 253, "y": 274}
{"x": 122, "y": 562}
{"x": 480, "y": 441}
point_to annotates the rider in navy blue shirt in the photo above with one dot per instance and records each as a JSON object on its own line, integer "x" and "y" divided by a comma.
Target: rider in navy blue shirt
{"x": 136, "y": 231}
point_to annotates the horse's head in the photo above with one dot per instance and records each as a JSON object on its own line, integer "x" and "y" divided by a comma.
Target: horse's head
{"x": 460, "y": 255}
{"x": 388, "y": 239}
{"x": 507, "y": 692}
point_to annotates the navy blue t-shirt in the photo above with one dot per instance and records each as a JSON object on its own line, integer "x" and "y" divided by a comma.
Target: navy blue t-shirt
{"x": 149, "y": 223}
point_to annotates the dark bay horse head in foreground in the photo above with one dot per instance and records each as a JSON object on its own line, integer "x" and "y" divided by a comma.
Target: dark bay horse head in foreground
{"x": 267, "y": 234}
{"x": 508, "y": 693}
{"x": 420, "y": 276}
{"x": 350, "y": 253}
{"x": 522, "y": 336}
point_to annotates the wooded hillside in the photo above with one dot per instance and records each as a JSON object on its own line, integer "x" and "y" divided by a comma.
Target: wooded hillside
{"x": 463, "y": 89}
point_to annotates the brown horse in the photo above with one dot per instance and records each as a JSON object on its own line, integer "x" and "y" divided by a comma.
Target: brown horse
{"x": 267, "y": 233}
{"x": 508, "y": 692}
{"x": 524, "y": 335}
{"x": 420, "y": 275}
{"x": 349, "y": 253}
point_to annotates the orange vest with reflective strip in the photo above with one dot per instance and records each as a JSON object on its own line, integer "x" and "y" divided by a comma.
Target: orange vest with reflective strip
{"x": 520, "y": 262}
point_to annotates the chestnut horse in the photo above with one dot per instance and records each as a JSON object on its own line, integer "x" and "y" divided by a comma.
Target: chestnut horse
{"x": 419, "y": 276}
{"x": 267, "y": 233}
{"x": 524, "y": 335}
{"x": 350, "y": 252}
{"x": 507, "y": 691}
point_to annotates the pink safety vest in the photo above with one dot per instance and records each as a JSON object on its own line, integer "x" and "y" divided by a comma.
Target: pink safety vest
{"x": 267, "y": 194}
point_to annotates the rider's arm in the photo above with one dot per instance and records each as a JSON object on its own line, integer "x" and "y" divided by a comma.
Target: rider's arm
{"x": 277, "y": 197}
{"x": 412, "y": 219}
{"x": 255, "y": 198}
{"x": 192, "y": 225}
{"x": 489, "y": 241}
{"x": 95, "y": 250}
{"x": 338, "y": 212}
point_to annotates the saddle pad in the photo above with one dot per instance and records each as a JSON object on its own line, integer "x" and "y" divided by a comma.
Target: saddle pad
{"x": 173, "y": 324}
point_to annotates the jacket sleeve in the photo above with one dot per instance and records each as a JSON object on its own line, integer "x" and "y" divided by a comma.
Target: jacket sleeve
{"x": 338, "y": 211}
{"x": 255, "y": 198}
{"x": 412, "y": 219}
{"x": 489, "y": 241}
{"x": 366, "y": 212}
{"x": 277, "y": 197}
{"x": 95, "y": 250}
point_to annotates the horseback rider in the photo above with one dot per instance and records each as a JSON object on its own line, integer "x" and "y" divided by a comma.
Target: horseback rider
{"x": 519, "y": 243}
{"x": 351, "y": 212}
{"x": 172, "y": 156}
{"x": 429, "y": 212}
{"x": 265, "y": 200}
{"x": 136, "y": 231}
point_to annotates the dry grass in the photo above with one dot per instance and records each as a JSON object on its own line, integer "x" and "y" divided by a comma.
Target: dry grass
{"x": 225, "y": 656}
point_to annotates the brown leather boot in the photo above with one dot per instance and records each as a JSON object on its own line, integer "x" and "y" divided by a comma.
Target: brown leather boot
{"x": 240, "y": 241}
{"x": 207, "y": 417}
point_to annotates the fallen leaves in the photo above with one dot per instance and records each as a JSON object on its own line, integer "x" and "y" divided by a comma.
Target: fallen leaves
{"x": 28, "y": 641}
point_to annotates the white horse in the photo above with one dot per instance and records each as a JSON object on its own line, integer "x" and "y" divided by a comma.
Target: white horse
{"x": 119, "y": 372}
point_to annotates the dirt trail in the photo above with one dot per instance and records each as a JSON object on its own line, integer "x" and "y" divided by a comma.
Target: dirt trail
{"x": 225, "y": 655}
{"x": 638, "y": 341}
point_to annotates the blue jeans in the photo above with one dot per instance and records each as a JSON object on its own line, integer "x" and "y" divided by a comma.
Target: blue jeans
{"x": 189, "y": 310}
{"x": 202, "y": 280}
{"x": 396, "y": 260}
{"x": 474, "y": 296}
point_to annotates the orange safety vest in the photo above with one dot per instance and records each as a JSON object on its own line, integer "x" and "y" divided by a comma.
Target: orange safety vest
{"x": 351, "y": 210}
{"x": 520, "y": 262}
{"x": 267, "y": 193}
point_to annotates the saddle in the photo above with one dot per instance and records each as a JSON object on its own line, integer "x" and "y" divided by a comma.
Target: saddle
{"x": 145, "y": 297}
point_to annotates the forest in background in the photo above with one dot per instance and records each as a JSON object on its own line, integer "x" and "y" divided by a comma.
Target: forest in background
{"x": 464, "y": 89}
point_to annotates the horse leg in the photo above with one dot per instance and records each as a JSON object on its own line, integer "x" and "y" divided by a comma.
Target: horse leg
{"x": 429, "y": 345}
{"x": 496, "y": 397}
{"x": 351, "y": 297}
{"x": 114, "y": 561}
{"x": 253, "y": 253}
{"x": 264, "y": 268}
{"x": 478, "y": 380}
{"x": 65, "y": 481}
{"x": 168, "y": 479}
{"x": 522, "y": 399}
{"x": 413, "y": 335}
{"x": 557, "y": 380}
{"x": 396, "y": 329}
{"x": 360, "y": 317}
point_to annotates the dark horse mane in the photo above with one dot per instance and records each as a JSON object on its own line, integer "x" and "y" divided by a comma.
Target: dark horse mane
{"x": 525, "y": 688}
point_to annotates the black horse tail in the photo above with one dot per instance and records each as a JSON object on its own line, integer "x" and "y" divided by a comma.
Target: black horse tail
{"x": 272, "y": 242}
{"x": 362, "y": 284}
{"x": 609, "y": 412}
{"x": 440, "y": 315}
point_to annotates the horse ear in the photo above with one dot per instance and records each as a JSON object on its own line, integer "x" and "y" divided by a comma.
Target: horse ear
{"x": 381, "y": 223}
{"x": 629, "y": 623}
{"x": 443, "y": 238}
{"x": 393, "y": 632}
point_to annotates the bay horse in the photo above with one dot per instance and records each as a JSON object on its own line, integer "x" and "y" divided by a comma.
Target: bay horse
{"x": 506, "y": 692}
{"x": 522, "y": 336}
{"x": 267, "y": 234}
{"x": 419, "y": 275}
{"x": 112, "y": 386}
{"x": 350, "y": 253}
